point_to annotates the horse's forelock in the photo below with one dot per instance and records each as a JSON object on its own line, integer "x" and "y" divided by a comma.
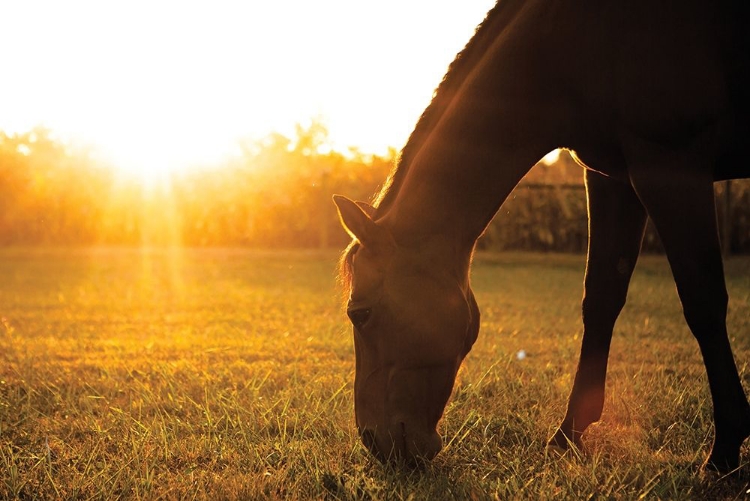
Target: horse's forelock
{"x": 345, "y": 268}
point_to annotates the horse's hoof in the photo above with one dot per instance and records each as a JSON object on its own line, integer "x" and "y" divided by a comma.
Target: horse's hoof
{"x": 724, "y": 468}
{"x": 724, "y": 459}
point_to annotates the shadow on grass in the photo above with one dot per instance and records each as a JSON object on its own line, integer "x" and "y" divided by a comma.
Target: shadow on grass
{"x": 372, "y": 480}
{"x": 532, "y": 474}
{"x": 735, "y": 485}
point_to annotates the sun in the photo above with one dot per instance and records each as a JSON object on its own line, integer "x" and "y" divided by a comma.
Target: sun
{"x": 148, "y": 168}
{"x": 154, "y": 154}
{"x": 149, "y": 176}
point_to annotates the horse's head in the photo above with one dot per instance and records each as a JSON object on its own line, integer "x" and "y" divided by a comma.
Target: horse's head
{"x": 414, "y": 322}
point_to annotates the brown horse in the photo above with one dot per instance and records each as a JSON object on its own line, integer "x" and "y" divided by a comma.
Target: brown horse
{"x": 653, "y": 99}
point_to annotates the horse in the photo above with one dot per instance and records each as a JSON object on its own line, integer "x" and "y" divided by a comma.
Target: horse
{"x": 652, "y": 100}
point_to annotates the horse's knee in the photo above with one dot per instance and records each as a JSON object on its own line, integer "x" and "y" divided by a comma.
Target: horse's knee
{"x": 602, "y": 307}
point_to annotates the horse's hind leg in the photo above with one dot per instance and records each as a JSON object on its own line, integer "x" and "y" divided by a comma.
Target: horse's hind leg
{"x": 682, "y": 208}
{"x": 616, "y": 223}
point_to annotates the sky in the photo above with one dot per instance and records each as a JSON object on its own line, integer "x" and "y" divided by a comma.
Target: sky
{"x": 162, "y": 85}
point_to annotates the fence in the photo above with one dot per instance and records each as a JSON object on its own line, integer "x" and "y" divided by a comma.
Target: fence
{"x": 552, "y": 217}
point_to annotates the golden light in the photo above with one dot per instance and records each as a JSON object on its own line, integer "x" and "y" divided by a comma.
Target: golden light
{"x": 551, "y": 157}
{"x": 161, "y": 86}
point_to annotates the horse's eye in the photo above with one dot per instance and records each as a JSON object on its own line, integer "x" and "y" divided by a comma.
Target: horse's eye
{"x": 359, "y": 316}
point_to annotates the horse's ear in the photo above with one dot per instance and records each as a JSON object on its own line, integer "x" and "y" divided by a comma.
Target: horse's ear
{"x": 367, "y": 209}
{"x": 357, "y": 222}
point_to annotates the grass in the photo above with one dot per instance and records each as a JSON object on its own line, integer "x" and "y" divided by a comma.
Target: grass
{"x": 226, "y": 374}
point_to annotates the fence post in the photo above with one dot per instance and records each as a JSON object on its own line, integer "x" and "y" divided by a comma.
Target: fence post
{"x": 726, "y": 220}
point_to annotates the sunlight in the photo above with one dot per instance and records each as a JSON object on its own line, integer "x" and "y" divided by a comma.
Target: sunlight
{"x": 169, "y": 85}
{"x": 551, "y": 157}
{"x": 153, "y": 152}
{"x": 150, "y": 173}
{"x": 150, "y": 166}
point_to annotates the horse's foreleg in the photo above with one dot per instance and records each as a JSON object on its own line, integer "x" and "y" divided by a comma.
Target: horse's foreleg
{"x": 616, "y": 223}
{"x": 684, "y": 213}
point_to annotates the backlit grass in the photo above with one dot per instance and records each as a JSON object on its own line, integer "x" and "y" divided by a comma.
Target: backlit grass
{"x": 225, "y": 374}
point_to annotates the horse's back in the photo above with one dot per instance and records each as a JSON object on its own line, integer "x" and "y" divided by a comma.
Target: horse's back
{"x": 669, "y": 72}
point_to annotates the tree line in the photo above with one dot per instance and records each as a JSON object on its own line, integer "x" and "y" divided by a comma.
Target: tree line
{"x": 276, "y": 193}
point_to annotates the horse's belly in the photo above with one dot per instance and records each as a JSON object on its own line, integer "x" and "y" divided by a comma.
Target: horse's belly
{"x": 733, "y": 163}
{"x": 604, "y": 160}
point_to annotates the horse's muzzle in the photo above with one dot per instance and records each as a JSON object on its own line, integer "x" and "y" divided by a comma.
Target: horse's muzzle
{"x": 402, "y": 444}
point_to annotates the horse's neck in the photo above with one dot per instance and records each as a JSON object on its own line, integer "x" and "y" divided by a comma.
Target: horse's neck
{"x": 452, "y": 193}
{"x": 485, "y": 139}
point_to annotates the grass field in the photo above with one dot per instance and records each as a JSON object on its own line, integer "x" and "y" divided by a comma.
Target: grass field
{"x": 227, "y": 374}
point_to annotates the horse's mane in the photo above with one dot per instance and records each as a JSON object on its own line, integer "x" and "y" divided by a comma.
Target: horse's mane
{"x": 454, "y": 78}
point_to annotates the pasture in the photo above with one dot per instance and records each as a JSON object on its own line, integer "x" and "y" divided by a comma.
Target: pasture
{"x": 228, "y": 374}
